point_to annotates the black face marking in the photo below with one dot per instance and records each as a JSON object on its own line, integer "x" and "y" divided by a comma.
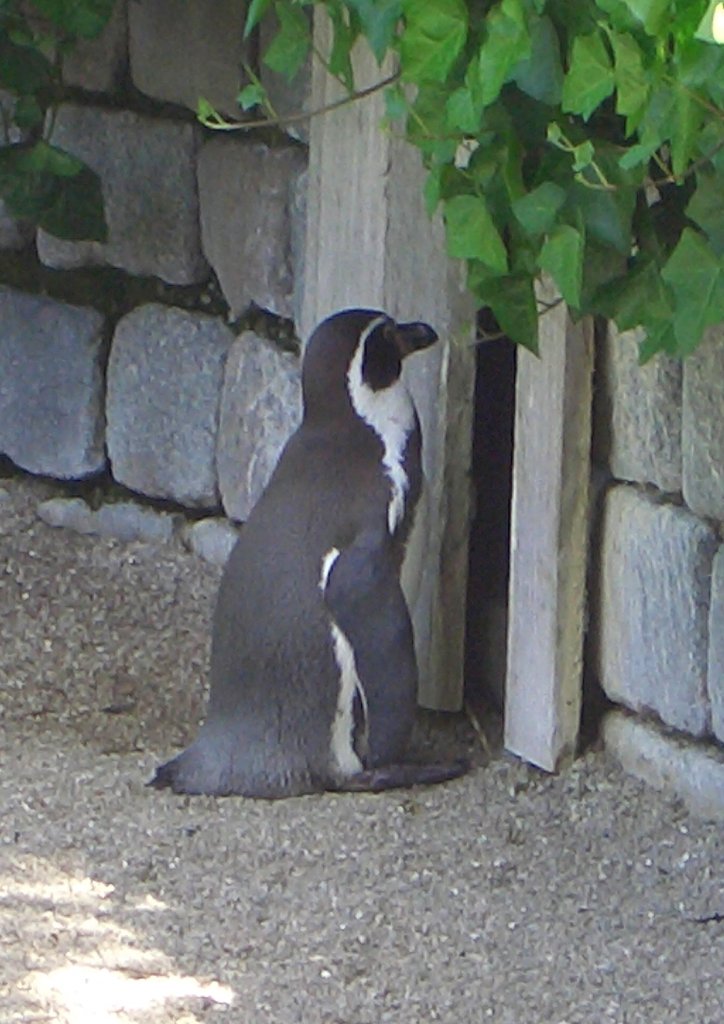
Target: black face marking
{"x": 382, "y": 362}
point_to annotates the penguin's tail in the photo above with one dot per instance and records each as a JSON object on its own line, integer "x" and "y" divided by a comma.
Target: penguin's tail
{"x": 403, "y": 776}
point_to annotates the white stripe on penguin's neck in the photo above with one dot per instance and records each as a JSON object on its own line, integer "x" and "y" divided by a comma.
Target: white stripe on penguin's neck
{"x": 391, "y": 415}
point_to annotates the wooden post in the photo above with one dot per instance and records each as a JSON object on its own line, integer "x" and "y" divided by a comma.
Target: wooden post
{"x": 370, "y": 243}
{"x": 551, "y": 473}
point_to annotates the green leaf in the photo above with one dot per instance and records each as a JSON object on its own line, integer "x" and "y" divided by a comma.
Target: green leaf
{"x": 434, "y": 35}
{"x": 28, "y": 113}
{"x": 379, "y": 20}
{"x": 537, "y": 211}
{"x": 635, "y": 297}
{"x": 606, "y": 214}
{"x": 687, "y": 121}
{"x": 257, "y": 10}
{"x": 540, "y": 75}
{"x": 695, "y": 274}
{"x": 463, "y": 113}
{"x": 343, "y": 38}
{"x": 651, "y": 13}
{"x": 252, "y": 95}
{"x": 562, "y": 257}
{"x": 506, "y": 45}
{"x": 659, "y": 337}
{"x": 512, "y": 300}
{"x": 22, "y": 68}
{"x": 431, "y": 190}
{"x": 590, "y": 79}
{"x": 583, "y": 155}
{"x": 471, "y": 233}
{"x": 53, "y": 189}
{"x": 289, "y": 48}
{"x": 632, "y": 83}
{"x": 706, "y": 208}
{"x": 397, "y": 104}
{"x": 84, "y": 18}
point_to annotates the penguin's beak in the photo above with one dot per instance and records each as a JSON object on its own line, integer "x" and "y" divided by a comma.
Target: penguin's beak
{"x": 413, "y": 337}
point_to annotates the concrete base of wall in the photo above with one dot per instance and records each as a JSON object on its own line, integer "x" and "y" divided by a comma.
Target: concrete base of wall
{"x": 693, "y": 772}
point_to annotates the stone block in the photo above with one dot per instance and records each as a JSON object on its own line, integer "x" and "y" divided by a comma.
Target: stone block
{"x": 123, "y": 520}
{"x": 248, "y": 200}
{"x": 289, "y": 99}
{"x": 51, "y": 385}
{"x": 694, "y": 773}
{"x": 716, "y": 646}
{"x": 183, "y": 51}
{"x": 165, "y": 376}
{"x": 654, "y": 606}
{"x": 703, "y": 426}
{"x": 100, "y": 64}
{"x": 642, "y": 410}
{"x": 211, "y": 539}
{"x": 261, "y": 407}
{"x": 147, "y": 168}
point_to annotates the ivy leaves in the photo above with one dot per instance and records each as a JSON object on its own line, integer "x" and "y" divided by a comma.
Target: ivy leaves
{"x": 583, "y": 143}
{"x": 40, "y": 182}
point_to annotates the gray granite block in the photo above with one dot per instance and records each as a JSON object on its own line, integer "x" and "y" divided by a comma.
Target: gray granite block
{"x": 211, "y": 539}
{"x": 147, "y": 168}
{"x": 703, "y": 426}
{"x": 99, "y": 65}
{"x": 643, "y": 409}
{"x": 692, "y": 772}
{"x": 165, "y": 376}
{"x": 183, "y": 50}
{"x": 124, "y": 520}
{"x": 260, "y": 408}
{"x": 51, "y": 385}
{"x": 250, "y": 213}
{"x": 654, "y": 607}
{"x": 716, "y": 646}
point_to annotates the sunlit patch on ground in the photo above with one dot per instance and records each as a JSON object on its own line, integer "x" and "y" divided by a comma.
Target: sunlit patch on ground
{"x": 96, "y": 995}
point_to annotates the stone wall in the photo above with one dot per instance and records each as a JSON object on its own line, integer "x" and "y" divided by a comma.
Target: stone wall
{"x": 124, "y": 358}
{"x": 658, "y": 594}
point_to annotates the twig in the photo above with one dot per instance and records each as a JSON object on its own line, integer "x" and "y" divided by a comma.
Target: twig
{"x": 280, "y": 122}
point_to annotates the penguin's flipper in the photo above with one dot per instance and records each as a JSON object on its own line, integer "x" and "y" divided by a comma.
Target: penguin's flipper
{"x": 356, "y": 576}
{"x": 403, "y": 776}
{"x": 365, "y": 601}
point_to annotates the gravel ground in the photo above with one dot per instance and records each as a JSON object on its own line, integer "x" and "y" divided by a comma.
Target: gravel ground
{"x": 508, "y": 896}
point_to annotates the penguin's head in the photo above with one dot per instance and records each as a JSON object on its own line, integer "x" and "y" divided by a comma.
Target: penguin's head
{"x": 357, "y": 349}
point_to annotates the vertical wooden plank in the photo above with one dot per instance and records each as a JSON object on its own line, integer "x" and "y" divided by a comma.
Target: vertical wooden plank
{"x": 551, "y": 473}
{"x": 371, "y": 243}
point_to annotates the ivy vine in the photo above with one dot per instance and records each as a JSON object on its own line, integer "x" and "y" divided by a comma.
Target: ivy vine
{"x": 40, "y": 182}
{"x": 583, "y": 140}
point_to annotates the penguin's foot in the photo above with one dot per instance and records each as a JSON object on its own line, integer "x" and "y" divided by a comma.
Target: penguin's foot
{"x": 403, "y": 776}
{"x": 165, "y": 777}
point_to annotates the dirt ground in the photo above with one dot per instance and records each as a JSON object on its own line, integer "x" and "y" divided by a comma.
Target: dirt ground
{"x": 508, "y": 895}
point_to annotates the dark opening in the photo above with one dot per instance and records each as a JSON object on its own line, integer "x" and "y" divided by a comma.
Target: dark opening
{"x": 492, "y": 472}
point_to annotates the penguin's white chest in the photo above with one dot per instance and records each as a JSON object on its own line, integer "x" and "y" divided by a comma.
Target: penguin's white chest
{"x": 391, "y": 414}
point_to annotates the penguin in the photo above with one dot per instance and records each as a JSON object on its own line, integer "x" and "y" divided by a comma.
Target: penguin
{"x": 313, "y": 672}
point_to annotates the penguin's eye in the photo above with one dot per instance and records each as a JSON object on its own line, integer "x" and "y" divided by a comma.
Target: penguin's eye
{"x": 381, "y": 363}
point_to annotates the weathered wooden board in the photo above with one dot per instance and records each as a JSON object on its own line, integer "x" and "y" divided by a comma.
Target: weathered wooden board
{"x": 549, "y": 530}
